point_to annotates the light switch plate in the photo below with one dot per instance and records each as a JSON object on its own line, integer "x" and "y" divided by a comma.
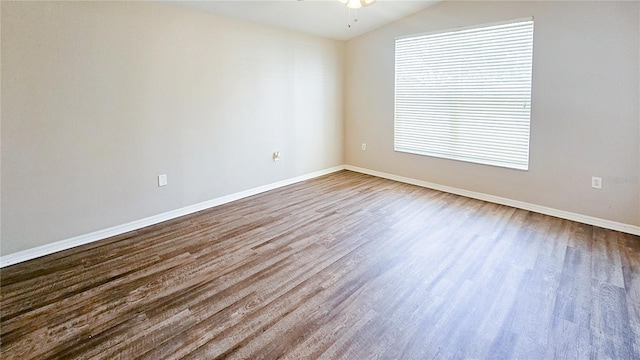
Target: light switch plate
{"x": 162, "y": 180}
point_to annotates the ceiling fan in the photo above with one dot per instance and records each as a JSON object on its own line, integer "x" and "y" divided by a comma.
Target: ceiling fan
{"x": 355, "y": 5}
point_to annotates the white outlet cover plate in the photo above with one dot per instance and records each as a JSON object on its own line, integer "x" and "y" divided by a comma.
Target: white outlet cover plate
{"x": 596, "y": 182}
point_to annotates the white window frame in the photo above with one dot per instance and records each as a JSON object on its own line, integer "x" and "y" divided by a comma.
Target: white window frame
{"x": 486, "y": 117}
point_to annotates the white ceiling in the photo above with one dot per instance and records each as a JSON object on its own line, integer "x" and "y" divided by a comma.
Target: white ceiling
{"x": 327, "y": 18}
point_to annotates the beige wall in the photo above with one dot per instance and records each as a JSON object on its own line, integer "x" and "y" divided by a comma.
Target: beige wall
{"x": 99, "y": 98}
{"x": 585, "y": 106}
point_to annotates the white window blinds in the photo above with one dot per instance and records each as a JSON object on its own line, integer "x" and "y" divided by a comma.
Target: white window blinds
{"x": 465, "y": 94}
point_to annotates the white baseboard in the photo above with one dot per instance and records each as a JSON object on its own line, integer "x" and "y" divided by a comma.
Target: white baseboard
{"x": 43, "y": 250}
{"x": 65, "y": 244}
{"x": 590, "y": 220}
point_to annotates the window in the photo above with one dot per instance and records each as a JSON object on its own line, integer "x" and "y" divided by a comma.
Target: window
{"x": 465, "y": 94}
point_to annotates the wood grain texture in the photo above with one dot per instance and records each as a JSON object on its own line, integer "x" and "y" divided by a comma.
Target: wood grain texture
{"x": 346, "y": 266}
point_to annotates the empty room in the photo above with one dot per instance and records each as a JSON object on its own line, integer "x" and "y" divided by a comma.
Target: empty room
{"x": 333, "y": 179}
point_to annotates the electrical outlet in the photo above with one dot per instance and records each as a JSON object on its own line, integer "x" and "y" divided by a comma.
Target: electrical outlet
{"x": 364, "y": 146}
{"x": 162, "y": 180}
{"x": 596, "y": 182}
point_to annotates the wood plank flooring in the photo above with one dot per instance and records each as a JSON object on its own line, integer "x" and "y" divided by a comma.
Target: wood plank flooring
{"x": 346, "y": 266}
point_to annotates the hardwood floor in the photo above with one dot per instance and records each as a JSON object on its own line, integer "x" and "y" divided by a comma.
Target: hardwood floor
{"x": 346, "y": 266}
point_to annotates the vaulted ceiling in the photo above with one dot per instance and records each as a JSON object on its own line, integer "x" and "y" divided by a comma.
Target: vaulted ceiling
{"x": 327, "y": 18}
